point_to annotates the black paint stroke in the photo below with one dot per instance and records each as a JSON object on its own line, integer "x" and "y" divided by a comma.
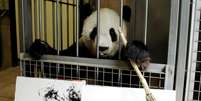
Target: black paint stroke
{"x": 52, "y": 94}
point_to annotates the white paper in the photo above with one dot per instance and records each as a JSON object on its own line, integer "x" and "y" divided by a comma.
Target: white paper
{"x": 38, "y": 89}
{"x": 102, "y": 93}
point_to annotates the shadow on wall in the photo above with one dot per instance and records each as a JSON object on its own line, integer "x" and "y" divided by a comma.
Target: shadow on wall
{"x": 0, "y": 52}
{"x": 5, "y": 42}
{"x": 0, "y": 46}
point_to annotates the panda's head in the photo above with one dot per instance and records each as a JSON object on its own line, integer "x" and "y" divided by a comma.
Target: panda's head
{"x": 108, "y": 39}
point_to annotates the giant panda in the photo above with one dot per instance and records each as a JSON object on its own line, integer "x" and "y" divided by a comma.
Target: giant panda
{"x": 108, "y": 37}
{"x": 108, "y": 40}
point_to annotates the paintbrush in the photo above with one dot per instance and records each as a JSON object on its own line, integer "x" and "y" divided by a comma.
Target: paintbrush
{"x": 149, "y": 95}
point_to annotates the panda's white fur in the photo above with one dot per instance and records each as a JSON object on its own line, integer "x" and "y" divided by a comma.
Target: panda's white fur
{"x": 108, "y": 19}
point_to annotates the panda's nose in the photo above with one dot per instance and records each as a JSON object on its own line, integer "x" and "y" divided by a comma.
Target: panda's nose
{"x": 103, "y": 48}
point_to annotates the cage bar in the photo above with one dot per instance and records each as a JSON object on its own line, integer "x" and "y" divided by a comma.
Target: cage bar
{"x": 74, "y": 23}
{"x": 23, "y": 28}
{"x": 26, "y": 26}
{"x": 146, "y": 20}
{"x": 36, "y": 20}
{"x": 40, "y": 19}
{"x": 45, "y": 20}
{"x": 67, "y": 19}
{"x": 57, "y": 35}
{"x": 98, "y": 28}
{"x": 121, "y": 25}
{"x": 182, "y": 49}
{"x": 77, "y": 28}
{"x": 53, "y": 24}
{"x": 61, "y": 26}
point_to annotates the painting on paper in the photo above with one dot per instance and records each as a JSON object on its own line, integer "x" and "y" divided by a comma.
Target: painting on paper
{"x": 38, "y": 89}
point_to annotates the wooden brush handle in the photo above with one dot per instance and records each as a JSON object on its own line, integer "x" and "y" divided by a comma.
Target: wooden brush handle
{"x": 135, "y": 67}
{"x": 142, "y": 79}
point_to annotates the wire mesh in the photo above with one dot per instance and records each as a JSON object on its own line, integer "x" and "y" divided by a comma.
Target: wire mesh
{"x": 93, "y": 75}
{"x": 197, "y": 79}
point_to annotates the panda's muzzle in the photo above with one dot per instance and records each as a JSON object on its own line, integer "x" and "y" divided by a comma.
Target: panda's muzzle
{"x": 103, "y": 48}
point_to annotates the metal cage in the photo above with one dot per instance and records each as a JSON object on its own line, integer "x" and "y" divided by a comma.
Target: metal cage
{"x": 53, "y": 20}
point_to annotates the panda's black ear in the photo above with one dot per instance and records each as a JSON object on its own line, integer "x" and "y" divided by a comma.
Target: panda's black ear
{"x": 126, "y": 13}
{"x": 85, "y": 10}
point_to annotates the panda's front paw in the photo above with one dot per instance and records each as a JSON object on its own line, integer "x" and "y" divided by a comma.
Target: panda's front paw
{"x": 139, "y": 53}
{"x": 37, "y": 49}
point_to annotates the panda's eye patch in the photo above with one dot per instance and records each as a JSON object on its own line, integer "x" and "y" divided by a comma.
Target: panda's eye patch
{"x": 93, "y": 33}
{"x": 113, "y": 34}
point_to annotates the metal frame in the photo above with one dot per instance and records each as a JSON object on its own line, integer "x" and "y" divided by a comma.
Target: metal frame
{"x": 12, "y": 14}
{"x": 187, "y": 49}
{"x": 172, "y": 48}
{"x": 116, "y": 64}
{"x": 182, "y": 49}
{"x": 188, "y": 96}
{"x": 35, "y": 68}
{"x": 25, "y": 25}
{"x": 191, "y": 70}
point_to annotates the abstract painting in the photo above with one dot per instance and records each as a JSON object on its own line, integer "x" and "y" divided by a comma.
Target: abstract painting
{"x": 40, "y": 89}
